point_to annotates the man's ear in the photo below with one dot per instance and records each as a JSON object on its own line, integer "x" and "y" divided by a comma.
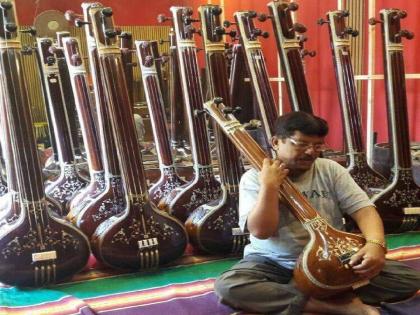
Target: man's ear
{"x": 274, "y": 142}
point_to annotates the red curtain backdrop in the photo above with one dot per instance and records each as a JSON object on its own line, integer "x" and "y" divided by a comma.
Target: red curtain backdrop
{"x": 319, "y": 70}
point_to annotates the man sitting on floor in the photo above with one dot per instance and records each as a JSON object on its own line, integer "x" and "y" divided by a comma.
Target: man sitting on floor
{"x": 262, "y": 282}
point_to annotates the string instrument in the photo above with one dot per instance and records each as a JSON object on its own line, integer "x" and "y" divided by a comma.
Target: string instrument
{"x": 399, "y": 203}
{"x": 142, "y": 236}
{"x": 255, "y": 61}
{"x": 322, "y": 269}
{"x": 203, "y": 187}
{"x": 69, "y": 182}
{"x": 213, "y": 227}
{"x": 169, "y": 178}
{"x": 3, "y": 183}
{"x": 112, "y": 200}
{"x": 67, "y": 92}
{"x": 38, "y": 248}
{"x": 126, "y": 45}
{"x": 367, "y": 178}
{"x": 289, "y": 46}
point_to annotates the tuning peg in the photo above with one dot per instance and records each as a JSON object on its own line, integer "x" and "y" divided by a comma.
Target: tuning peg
{"x": 400, "y": 15}
{"x": 111, "y": 33}
{"x": 162, "y": 41}
{"x": 305, "y": 52}
{"x": 107, "y": 12}
{"x": 262, "y": 17}
{"x": 302, "y": 38}
{"x": 292, "y": 6}
{"x": 188, "y": 20}
{"x": 163, "y": 58}
{"x": 216, "y": 10}
{"x": 228, "y": 23}
{"x": 191, "y": 29}
{"x": 321, "y": 21}
{"x": 219, "y": 30}
{"x": 405, "y": 33}
{"x": 50, "y": 60}
{"x": 218, "y": 100}
{"x": 298, "y": 27}
{"x": 53, "y": 49}
{"x": 350, "y": 31}
{"x": 6, "y": 5}
{"x": 252, "y": 14}
{"x": 125, "y": 35}
{"x": 199, "y": 112}
{"x": 27, "y": 50}
{"x": 229, "y": 110}
{"x": 148, "y": 61}
{"x": 70, "y": 15}
{"x": 373, "y": 21}
{"x": 31, "y": 31}
{"x": 10, "y": 27}
{"x": 344, "y": 13}
{"x": 163, "y": 18}
{"x": 76, "y": 59}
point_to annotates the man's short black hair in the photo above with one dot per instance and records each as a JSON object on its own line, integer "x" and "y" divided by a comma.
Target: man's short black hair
{"x": 308, "y": 124}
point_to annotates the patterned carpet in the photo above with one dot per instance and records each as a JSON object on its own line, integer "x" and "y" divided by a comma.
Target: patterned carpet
{"x": 184, "y": 289}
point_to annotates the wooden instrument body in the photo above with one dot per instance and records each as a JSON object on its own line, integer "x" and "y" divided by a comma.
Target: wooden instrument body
{"x": 289, "y": 48}
{"x": 38, "y": 248}
{"x": 141, "y": 237}
{"x": 169, "y": 179}
{"x": 111, "y": 200}
{"x": 321, "y": 270}
{"x": 213, "y": 227}
{"x": 367, "y": 178}
{"x": 204, "y": 187}
{"x": 69, "y": 182}
{"x": 398, "y": 204}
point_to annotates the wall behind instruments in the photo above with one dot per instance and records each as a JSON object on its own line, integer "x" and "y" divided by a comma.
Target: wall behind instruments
{"x": 321, "y": 80}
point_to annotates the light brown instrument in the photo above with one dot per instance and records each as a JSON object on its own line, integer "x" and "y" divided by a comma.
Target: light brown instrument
{"x": 322, "y": 269}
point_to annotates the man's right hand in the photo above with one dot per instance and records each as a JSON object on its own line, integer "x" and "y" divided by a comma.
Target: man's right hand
{"x": 272, "y": 174}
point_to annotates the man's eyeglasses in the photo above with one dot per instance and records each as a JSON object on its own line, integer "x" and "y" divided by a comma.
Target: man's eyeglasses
{"x": 303, "y": 146}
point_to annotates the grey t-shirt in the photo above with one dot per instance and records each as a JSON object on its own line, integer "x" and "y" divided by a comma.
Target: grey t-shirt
{"x": 329, "y": 188}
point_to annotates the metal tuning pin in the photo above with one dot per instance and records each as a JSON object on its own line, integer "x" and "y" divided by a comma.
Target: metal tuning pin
{"x": 405, "y": 33}
{"x": 161, "y": 18}
{"x": 322, "y": 21}
{"x": 262, "y": 17}
{"x": 374, "y": 21}
{"x": 199, "y": 112}
{"x": 299, "y": 28}
{"x": 31, "y": 31}
{"x": 350, "y": 31}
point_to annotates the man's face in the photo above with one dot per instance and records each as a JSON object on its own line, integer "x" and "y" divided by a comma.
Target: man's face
{"x": 298, "y": 151}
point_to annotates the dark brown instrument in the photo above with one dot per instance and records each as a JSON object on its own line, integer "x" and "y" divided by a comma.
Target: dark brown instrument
{"x": 255, "y": 61}
{"x": 141, "y": 237}
{"x": 169, "y": 179}
{"x": 204, "y": 187}
{"x": 290, "y": 52}
{"x": 38, "y": 248}
{"x": 399, "y": 203}
{"x": 213, "y": 227}
{"x": 68, "y": 93}
{"x": 126, "y": 45}
{"x": 112, "y": 200}
{"x": 69, "y": 182}
{"x": 322, "y": 269}
{"x": 368, "y": 179}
